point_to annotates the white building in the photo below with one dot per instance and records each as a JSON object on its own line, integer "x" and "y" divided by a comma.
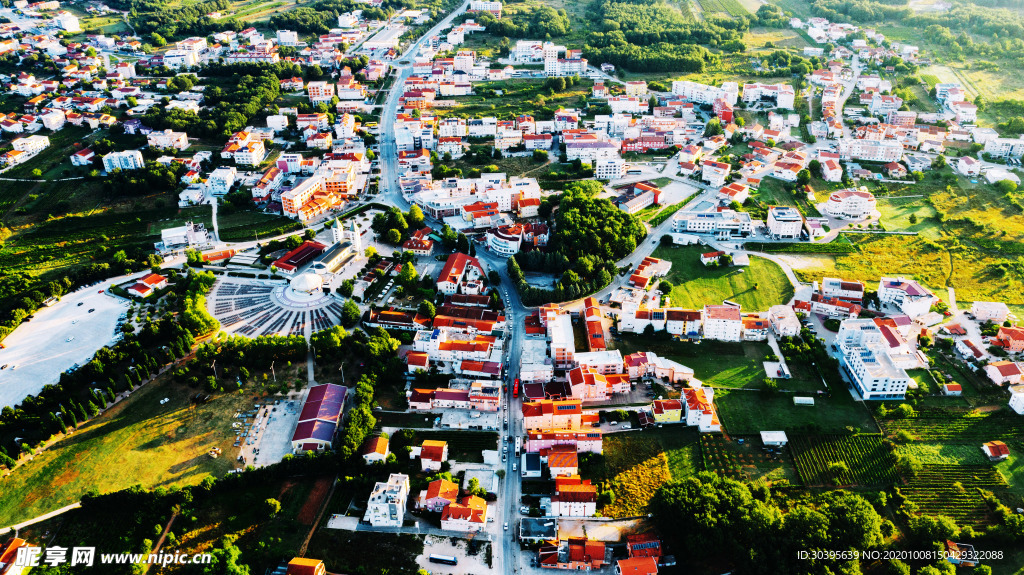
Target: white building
{"x": 722, "y": 322}
{"x": 386, "y": 507}
{"x": 870, "y": 150}
{"x": 67, "y": 22}
{"x": 994, "y": 311}
{"x": 909, "y": 296}
{"x": 1017, "y": 398}
{"x": 31, "y": 144}
{"x": 851, "y": 204}
{"x": 220, "y": 181}
{"x": 722, "y": 224}
{"x": 1005, "y": 147}
{"x": 782, "y": 94}
{"x": 126, "y": 160}
{"x": 611, "y": 168}
{"x": 784, "y": 222}
{"x": 784, "y": 320}
{"x": 705, "y": 94}
{"x": 167, "y": 139}
{"x": 865, "y": 361}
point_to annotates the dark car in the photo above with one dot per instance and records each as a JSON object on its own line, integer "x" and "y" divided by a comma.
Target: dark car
{"x": 92, "y": 310}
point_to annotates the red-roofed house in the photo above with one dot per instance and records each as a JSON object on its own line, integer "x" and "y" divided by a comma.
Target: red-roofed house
{"x": 376, "y": 450}
{"x": 1003, "y": 372}
{"x": 562, "y": 460}
{"x": 148, "y": 284}
{"x": 952, "y": 389}
{"x": 468, "y": 515}
{"x": 432, "y": 454}
{"x": 1012, "y": 338}
{"x": 996, "y": 450}
{"x": 461, "y": 274}
{"x": 637, "y": 566}
{"x": 438, "y": 495}
{"x": 574, "y": 497}
{"x": 643, "y": 545}
{"x": 306, "y": 566}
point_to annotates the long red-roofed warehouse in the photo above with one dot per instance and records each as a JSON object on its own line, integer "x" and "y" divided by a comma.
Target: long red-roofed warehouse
{"x": 319, "y": 418}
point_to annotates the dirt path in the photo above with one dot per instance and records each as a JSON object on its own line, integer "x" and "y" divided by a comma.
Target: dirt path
{"x": 163, "y": 537}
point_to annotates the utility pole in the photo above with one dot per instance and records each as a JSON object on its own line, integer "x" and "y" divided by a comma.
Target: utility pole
{"x": 214, "y": 366}
{"x": 342, "y": 370}
{"x": 273, "y": 372}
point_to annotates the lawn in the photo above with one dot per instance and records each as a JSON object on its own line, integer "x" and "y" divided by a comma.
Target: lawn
{"x": 404, "y": 420}
{"x": 514, "y": 97}
{"x": 944, "y": 453}
{"x": 716, "y": 363}
{"x": 357, "y": 552}
{"x": 136, "y": 441}
{"x": 897, "y": 213}
{"x": 750, "y": 412}
{"x": 635, "y": 464}
{"x": 756, "y": 287}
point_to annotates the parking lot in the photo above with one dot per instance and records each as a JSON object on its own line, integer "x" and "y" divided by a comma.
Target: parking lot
{"x": 458, "y": 548}
{"x": 55, "y": 339}
{"x": 269, "y": 437}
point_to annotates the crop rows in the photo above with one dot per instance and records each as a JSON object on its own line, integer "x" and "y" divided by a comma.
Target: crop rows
{"x": 958, "y": 428}
{"x": 952, "y": 490}
{"x": 730, "y": 7}
{"x": 867, "y": 461}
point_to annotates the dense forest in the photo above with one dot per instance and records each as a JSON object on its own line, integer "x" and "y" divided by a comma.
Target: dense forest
{"x": 651, "y": 36}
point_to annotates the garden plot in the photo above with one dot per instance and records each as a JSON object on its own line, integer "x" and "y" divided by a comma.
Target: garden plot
{"x": 954, "y": 491}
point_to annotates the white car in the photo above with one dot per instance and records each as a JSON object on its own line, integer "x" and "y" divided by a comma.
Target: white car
{"x": 506, "y": 526}
{"x": 515, "y": 466}
{"x": 70, "y": 339}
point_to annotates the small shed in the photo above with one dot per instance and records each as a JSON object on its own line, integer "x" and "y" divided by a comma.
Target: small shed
{"x": 953, "y": 389}
{"x": 797, "y": 400}
{"x": 774, "y": 438}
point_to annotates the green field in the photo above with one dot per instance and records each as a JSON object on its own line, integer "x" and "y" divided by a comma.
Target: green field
{"x": 136, "y": 441}
{"x": 867, "y": 461}
{"x": 756, "y": 287}
{"x": 715, "y": 363}
{"x": 245, "y": 225}
{"x": 727, "y": 7}
{"x": 634, "y": 465}
{"x": 750, "y": 412}
{"x": 944, "y": 453}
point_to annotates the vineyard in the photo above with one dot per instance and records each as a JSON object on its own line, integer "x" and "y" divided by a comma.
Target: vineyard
{"x": 731, "y": 7}
{"x": 942, "y": 426}
{"x": 953, "y": 490}
{"x": 845, "y": 460}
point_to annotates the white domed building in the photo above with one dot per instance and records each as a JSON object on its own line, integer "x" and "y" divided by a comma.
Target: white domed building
{"x": 306, "y": 287}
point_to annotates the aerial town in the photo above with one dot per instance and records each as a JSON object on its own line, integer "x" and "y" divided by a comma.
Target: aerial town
{"x": 463, "y": 287}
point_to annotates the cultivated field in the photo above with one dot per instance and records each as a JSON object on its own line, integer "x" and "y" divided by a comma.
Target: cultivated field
{"x": 746, "y": 461}
{"x": 947, "y": 426}
{"x": 843, "y": 460}
{"x": 954, "y": 491}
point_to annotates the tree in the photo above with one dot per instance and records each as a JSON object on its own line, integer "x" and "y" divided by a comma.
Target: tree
{"x": 394, "y": 237}
{"x": 408, "y": 276}
{"x": 349, "y": 313}
{"x": 803, "y": 177}
{"x": 939, "y": 162}
{"x": 347, "y": 287}
{"x": 912, "y": 219}
{"x": 665, "y": 287}
{"x": 271, "y": 507}
{"x": 493, "y": 277}
{"x": 370, "y": 252}
{"x": 427, "y": 309}
{"x": 815, "y": 168}
{"x": 414, "y": 217}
